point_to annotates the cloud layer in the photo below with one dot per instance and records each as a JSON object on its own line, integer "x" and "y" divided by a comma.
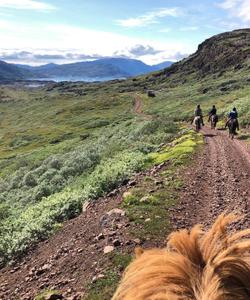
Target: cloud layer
{"x": 150, "y": 17}
{"x": 26, "y": 5}
{"x": 238, "y": 8}
{"x": 67, "y": 43}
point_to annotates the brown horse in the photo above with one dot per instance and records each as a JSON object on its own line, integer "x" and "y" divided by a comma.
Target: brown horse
{"x": 232, "y": 126}
{"x": 195, "y": 265}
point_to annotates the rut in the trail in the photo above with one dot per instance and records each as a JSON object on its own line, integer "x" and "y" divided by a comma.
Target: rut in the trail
{"x": 219, "y": 182}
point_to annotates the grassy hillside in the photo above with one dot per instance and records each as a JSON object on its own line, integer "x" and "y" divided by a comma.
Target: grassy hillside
{"x": 66, "y": 143}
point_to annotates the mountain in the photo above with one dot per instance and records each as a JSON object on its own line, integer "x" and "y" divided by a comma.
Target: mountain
{"x": 12, "y": 72}
{"x": 101, "y": 68}
{"x": 221, "y": 53}
{"x": 162, "y": 65}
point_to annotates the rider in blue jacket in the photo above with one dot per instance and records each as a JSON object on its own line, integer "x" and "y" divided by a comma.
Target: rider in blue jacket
{"x": 233, "y": 115}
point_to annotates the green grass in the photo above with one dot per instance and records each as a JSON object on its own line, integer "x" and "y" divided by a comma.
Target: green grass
{"x": 46, "y": 294}
{"x": 59, "y": 147}
{"x": 147, "y": 205}
{"x": 104, "y": 288}
{"x": 45, "y": 184}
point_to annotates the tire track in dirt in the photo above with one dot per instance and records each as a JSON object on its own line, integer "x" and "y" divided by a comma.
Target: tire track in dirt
{"x": 219, "y": 182}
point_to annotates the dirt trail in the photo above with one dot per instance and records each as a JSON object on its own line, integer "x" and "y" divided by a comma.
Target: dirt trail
{"x": 138, "y": 108}
{"x": 217, "y": 181}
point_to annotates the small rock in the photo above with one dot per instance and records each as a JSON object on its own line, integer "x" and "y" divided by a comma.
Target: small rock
{"x": 137, "y": 241}
{"x": 145, "y": 199}
{"x": 100, "y": 237}
{"x": 116, "y": 211}
{"x": 112, "y": 193}
{"x": 108, "y": 249}
{"x": 111, "y": 233}
{"x": 95, "y": 278}
{"x": 85, "y": 206}
{"x": 54, "y": 297}
{"x": 147, "y": 220}
{"x": 128, "y": 243}
{"x": 116, "y": 243}
{"x": 132, "y": 183}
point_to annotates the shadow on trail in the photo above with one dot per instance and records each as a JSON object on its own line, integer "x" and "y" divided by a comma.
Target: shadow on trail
{"x": 209, "y": 135}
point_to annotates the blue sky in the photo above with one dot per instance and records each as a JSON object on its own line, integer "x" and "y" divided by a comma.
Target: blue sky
{"x": 60, "y": 31}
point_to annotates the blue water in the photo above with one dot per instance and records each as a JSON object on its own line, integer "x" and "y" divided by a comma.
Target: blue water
{"x": 75, "y": 79}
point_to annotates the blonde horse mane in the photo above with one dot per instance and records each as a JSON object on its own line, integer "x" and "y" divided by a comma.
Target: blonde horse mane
{"x": 197, "y": 265}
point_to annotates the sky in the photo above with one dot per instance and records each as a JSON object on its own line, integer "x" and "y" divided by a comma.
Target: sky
{"x": 36, "y": 32}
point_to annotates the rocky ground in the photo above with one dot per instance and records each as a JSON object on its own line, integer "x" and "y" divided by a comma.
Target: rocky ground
{"x": 217, "y": 181}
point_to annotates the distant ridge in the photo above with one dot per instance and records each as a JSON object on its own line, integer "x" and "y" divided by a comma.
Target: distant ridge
{"x": 101, "y": 68}
{"x": 12, "y": 72}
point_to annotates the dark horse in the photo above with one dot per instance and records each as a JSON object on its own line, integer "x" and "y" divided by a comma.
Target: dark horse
{"x": 213, "y": 121}
{"x": 232, "y": 125}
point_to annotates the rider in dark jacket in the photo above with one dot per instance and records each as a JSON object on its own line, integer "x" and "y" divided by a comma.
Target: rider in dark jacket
{"x": 212, "y": 112}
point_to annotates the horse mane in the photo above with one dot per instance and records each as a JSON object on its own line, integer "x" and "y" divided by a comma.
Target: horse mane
{"x": 195, "y": 264}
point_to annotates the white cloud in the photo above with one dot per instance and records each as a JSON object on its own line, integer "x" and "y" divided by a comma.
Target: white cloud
{"x": 59, "y": 39}
{"x": 228, "y": 4}
{"x": 150, "y": 17}
{"x": 26, "y": 5}
{"x": 237, "y": 8}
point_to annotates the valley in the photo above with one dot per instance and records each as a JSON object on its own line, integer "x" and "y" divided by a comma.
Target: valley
{"x": 84, "y": 166}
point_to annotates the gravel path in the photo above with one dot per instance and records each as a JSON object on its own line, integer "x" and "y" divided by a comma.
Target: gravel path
{"x": 219, "y": 181}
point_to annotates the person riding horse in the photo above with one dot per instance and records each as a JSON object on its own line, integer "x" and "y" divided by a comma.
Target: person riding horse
{"x": 232, "y": 122}
{"x": 233, "y": 115}
{"x": 212, "y": 117}
{"x": 212, "y": 112}
{"x": 198, "y": 113}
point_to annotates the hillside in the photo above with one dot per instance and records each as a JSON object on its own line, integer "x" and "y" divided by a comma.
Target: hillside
{"x": 12, "y": 72}
{"x": 222, "y": 53}
{"x": 66, "y": 146}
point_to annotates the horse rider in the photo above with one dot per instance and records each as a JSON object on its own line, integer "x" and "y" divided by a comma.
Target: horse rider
{"x": 198, "y": 113}
{"x": 233, "y": 115}
{"x": 212, "y": 112}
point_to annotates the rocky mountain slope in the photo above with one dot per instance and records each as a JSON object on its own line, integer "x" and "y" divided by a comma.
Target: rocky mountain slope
{"x": 224, "y": 52}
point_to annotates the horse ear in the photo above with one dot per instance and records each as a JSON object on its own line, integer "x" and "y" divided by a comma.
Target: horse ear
{"x": 138, "y": 252}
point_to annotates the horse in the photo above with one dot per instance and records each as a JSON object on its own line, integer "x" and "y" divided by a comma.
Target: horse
{"x": 213, "y": 121}
{"x": 232, "y": 126}
{"x": 197, "y": 123}
{"x": 194, "y": 265}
